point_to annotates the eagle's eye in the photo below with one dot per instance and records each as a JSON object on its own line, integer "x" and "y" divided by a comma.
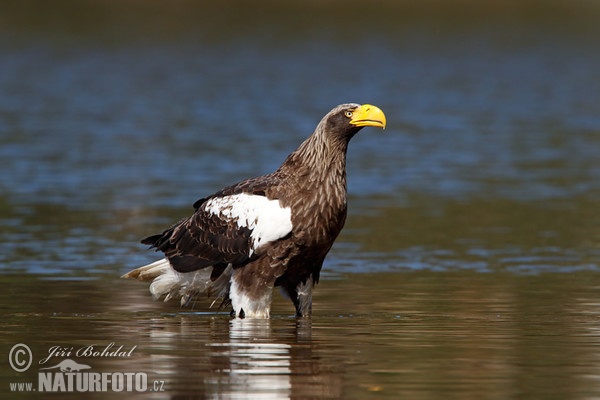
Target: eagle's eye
{"x": 348, "y": 114}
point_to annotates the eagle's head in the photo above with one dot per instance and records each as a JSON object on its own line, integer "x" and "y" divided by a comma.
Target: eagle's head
{"x": 345, "y": 120}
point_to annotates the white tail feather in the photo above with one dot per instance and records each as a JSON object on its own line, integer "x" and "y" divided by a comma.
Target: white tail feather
{"x": 166, "y": 281}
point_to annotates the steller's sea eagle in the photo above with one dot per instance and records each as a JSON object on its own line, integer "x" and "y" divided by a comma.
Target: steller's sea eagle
{"x": 274, "y": 230}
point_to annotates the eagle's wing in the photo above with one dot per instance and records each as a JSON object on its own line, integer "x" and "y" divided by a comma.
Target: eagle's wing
{"x": 230, "y": 227}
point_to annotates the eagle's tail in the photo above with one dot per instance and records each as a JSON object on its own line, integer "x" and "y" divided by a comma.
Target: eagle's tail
{"x": 170, "y": 283}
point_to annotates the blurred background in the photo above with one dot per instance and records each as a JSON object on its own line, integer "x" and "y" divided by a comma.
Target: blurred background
{"x": 115, "y": 116}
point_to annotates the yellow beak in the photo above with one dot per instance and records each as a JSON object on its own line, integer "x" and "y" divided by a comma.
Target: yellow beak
{"x": 368, "y": 115}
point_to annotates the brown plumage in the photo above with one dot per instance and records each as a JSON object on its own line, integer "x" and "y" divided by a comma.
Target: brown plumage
{"x": 273, "y": 230}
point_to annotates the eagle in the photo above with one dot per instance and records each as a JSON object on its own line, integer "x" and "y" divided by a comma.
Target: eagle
{"x": 263, "y": 232}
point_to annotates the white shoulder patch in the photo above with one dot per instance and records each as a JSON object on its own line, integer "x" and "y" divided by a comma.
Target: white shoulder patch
{"x": 267, "y": 220}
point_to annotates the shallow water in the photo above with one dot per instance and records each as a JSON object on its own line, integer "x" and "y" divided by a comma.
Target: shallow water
{"x": 469, "y": 264}
{"x": 418, "y": 335}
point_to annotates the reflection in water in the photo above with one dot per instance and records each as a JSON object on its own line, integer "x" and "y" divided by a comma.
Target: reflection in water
{"x": 253, "y": 366}
{"x": 233, "y": 359}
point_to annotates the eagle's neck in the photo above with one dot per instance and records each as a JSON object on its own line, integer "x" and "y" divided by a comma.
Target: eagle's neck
{"x": 320, "y": 161}
{"x": 316, "y": 172}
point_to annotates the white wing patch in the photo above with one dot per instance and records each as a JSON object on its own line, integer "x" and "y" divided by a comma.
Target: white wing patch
{"x": 267, "y": 220}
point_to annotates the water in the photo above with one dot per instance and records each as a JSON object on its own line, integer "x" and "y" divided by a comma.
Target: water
{"x": 419, "y": 335}
{"x": 469, "y": 263}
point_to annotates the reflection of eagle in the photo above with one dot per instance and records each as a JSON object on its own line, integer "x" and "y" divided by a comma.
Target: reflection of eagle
{"x": 274, "y": 230}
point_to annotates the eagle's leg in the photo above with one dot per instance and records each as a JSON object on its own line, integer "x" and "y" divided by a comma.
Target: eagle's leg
{"x": 251, "y": 292}
{"x": 301, "y": 296}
